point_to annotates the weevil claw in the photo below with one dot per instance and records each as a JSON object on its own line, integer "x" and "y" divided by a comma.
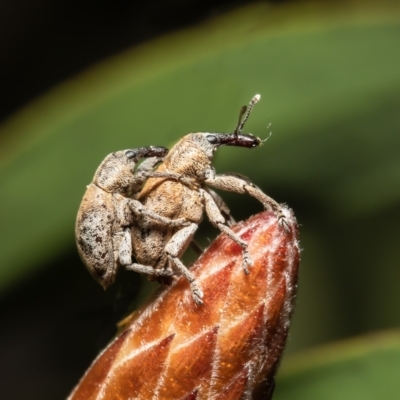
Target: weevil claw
{"x": 283, "y": 223}
{"x": 197, "y": 293}
{"x": 247, "y": 262}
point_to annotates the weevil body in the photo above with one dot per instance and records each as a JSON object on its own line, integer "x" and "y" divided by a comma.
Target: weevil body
{"x": 187, "y": 199}
{"x": 108, "y": 208}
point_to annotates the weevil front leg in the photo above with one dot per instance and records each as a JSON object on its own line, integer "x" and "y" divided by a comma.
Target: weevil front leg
{"x": 217, "y": 219}
{"x": 124, "y": 207}
{"x": 143, "y": 172}
{"x": 174, "y": 249}
{"x": 147, "y": 165}
{"x": 140, "y": 210}
{"x": 232, "y": 183}
{"x": 146, "y": 171}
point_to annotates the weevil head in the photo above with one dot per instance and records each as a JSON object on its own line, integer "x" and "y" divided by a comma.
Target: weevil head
{"x": 209, "y": 142}
{"x": 193, "y": 154}
{"x": 114, "y": 174}
{"x": 232, "y": 139}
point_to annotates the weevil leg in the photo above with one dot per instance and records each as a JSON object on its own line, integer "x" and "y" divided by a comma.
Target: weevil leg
{"x": 148, "y": 165}
{"x": 145, "y": 269}
{"x": 174, "y": 249}
{"x": 197, "y": 293}
{"x": 232, "y": 183}
{"x": 125, "y": 247}
{"x": 225, "y": 211}
{"x": 139, "y": 179}
{"x": 146, "y": 170}
{"x": 217, "y": 219}
{"x": 140, "y": 210}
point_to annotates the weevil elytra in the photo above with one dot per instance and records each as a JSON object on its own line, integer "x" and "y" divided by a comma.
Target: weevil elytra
{"x": 191, "y": 158}
{"x": 108, "y": 208}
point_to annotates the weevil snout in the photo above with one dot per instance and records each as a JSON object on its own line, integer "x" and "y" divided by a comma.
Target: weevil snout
{"x": 233, "y": 139}
{"x": 237, "y": 138}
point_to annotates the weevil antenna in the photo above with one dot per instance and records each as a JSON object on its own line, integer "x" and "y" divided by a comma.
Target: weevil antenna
{"x": 239, "y": 127}
{"x": 245, "y": 113}
{"x": 264, "y": 140}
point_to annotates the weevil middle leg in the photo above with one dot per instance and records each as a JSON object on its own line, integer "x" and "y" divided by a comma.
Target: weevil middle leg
{"x": 226, "y": 213}
{"x": 148, "y": 270}
{"x": 223, "y": 207}
{"x": 217, "y": 219}
{"x": 174, "y": 249}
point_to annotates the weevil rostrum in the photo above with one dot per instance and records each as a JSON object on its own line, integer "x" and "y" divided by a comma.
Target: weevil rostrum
{"x": 109, "y": 208}
{"x": 161, "y": 247}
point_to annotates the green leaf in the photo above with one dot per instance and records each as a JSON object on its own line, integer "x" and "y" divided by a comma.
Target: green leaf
{"x": 365, "y": 368}
{"x": 329, "y": 81}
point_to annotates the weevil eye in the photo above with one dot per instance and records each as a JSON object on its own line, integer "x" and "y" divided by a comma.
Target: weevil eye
{"x": 212, "y": 139}
{"x": 130, "y": 154}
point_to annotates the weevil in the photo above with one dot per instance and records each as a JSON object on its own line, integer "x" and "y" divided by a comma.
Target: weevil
{"x": 161, "y": 247}
{"x": 108, "y": 208}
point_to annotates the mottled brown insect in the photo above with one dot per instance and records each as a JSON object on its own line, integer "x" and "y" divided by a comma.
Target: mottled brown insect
{"x": 161, "y": 247}
{"x": 108, "y": 209}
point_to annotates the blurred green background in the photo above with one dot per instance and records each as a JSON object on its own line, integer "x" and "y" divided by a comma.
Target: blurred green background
{"x": 329, "y": 77}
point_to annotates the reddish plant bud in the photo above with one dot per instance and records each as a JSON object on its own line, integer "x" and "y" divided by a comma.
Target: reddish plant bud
{"x": 227, "y": 348}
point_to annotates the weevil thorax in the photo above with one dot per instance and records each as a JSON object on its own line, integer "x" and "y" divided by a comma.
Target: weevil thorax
{"x": 191, "y": 156}
{"x": 115, "y": 172}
